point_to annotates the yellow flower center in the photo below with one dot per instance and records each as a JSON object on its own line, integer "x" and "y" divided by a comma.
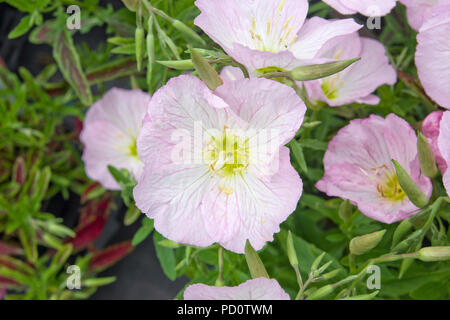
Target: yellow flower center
{"x": 227, "y": 154}
{"x": 133, "y": 148}
{"x": 389, "y": 187}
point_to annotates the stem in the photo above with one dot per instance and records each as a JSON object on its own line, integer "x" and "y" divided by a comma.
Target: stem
{"x": 220, "y": 278}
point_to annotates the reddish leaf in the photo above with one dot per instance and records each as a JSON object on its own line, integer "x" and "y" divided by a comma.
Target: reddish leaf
{"x": 69, "y": 64}
{"x": 78, "y": 127}
{"x": 45, "y": 33}
{"x": 112, "y": 70}
{"x": 7, "y": 282}
{"x": 19, "y": 170}
{"x": 93, "y": 209}
{"x": 109, "y": 256}
{"x": 2, "y": 63}
{"x": 2, "y": 291}
{"x": 88, "y": 233}
{"x": 6, "y": 249}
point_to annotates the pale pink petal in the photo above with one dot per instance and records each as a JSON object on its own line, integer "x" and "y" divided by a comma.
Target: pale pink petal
{"x": 109, "y": 134}
{"x": 433, "y": 56}
{"x": 265, "y": 105}
{"x": 366, "y": 75}
{"x": 430, "y": 129}
{"x": 370, "y": 8}
{"x": 370, "y": 99}
{"x": 419, "y": 11}
{"x": 256, "y": 24}
{"x": 255, "y": 289}
{"x": 444, "y": 147}
{"x": 317, "y": 32}
{"x": 358, "y": 164}
{"x": 255, "y": 208}
{"x": 230, "y": 73}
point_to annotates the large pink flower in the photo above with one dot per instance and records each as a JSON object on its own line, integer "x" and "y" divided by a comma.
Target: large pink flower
{"x": 216, "y": 169}
{"x": 358, "y": 167}
{"x": 268, "y": 33}
{"x": 357, "y": 82}
{"x": 256, "y": 289}
{"x": 109, "y": 135}
{"x": 369, "y": 8}
{"x": 444, "y": 147}
{"x": 433, "y": 56}
{"x": 419, "y": 11}
{"x": 430, "y": 129}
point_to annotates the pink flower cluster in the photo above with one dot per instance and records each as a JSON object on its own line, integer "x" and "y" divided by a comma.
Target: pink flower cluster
{"x": 212, "y": 166}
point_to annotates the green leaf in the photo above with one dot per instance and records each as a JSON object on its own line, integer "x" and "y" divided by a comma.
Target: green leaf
{"x": 24, "y": 25}
{"x": 205, "y": 71}
{"x": 143, "y": 232}
{"x": 166, "y": 257}
{"x": 69, "y": 63}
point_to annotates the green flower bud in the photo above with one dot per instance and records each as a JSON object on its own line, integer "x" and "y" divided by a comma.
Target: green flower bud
{"x": 426, "y": 157}
{"x": 415, "y": 195}
{"x": 292, "y": 255}
{"x": 363, "y": 244}
{"x": 205, "y": 71}
{"x": 178, "y": 64}
{"x": 403, "y": 228}
{"x": 318, "y": 71}
{"x": 321, "y": 292}
{"x": 131, "y": 4}
{"x": 330, "y": 275}
{"x": 139, "y": 39}
{"x": 257, "y": 269}
{"x": 369, "y": 296}
{"x": 434, "y": 254}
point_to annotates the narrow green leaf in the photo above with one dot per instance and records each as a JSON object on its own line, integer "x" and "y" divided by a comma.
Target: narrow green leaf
{"x": 143, "y": 232}
{"x": 166, "y": 257}
{"x": 22, "y": 28}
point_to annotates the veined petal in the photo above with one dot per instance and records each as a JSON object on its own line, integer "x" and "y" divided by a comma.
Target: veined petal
{"x": 317, "y": 32}
{"x": 172, "y": 195}
{"x": 260, "y": 204}
{"x": 366, "y": 75}
{"x": 369, "y": 8}
{"x": 431, "y": 129}
{"x": 109, "y": 134}
{"x": 433, "y": 56}
{"x": 255, "y": 289}
{"x": 444, "y": 147}
{"x": 358, "y": 167}
{"x": 230, "y": 73}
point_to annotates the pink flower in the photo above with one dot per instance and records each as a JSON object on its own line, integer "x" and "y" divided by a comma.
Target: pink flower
{"x": 216, "y": 169}
{"x": 109, "y": 135}
{"x": 268, "y": 33}
{"x": 358, "y": 167}
{"x": 357, "y": 82}
{"x": 2, "y": 293}
{"x": 433, "y": 56}
{"x": 369, "y": 8}
{"x": 419, "y": 11}
{"x": 256, "y": 289}
{"x": 430, "y": 129}
{"x": 444, "y": 147}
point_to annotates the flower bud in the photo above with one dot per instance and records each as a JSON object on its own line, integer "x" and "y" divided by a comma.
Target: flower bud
{"x": 414, "y": 193}
{"x": 434, "y": 254}
{"x": 426, "y": 157}
{"x": 257, "y": 269}
{"x": 321, "y": 292}
{"x": 292, "y": 255}
{"x": 177, "y": 64}
{"x": 318, "y": 71}
{"x": 130, "y": 4}
{"x": 363, "y": 244}
{"x": 330, "y": 275}
{"x": 205, "y": 71}
{"x": 403, "y": 228}
{"x": 139, "y": 39}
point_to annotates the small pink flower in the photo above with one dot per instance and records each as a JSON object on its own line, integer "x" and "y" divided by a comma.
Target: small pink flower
{"x": 109, "y": 135}
{"x": 268, "y": 33}
{"x": 430, "y": 129}
{"x": 358, "y": 167}
{"x": 433, "y": 56}
{"x": 419, "y": 11}
{"x": 444, "y": 147}
{"x": 2, "y": 293}
{"x": 357, "y": 82}
{"x": 256, "y": 289}
{"x": 214, "y": 172}
{"x": 369, "y": 8}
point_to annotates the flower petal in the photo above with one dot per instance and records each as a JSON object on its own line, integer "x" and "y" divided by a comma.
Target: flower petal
{"x": 444, "y": 147}
{"x": 256, "y": 289}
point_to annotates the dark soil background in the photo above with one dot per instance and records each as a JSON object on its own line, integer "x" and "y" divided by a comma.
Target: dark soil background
{"x": 139, "y": 275}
